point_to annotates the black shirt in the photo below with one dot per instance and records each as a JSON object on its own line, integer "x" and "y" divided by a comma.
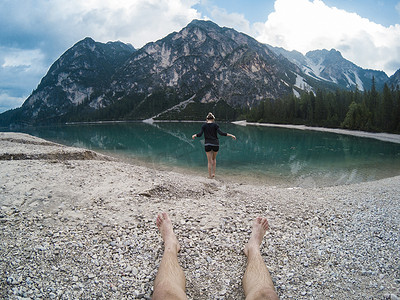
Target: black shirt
{"x": 210, "y": 134}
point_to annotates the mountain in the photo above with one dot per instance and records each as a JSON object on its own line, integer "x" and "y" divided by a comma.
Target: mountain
{"x": 205, "y": 63}
{"x": 331, "y": 67}
{"x": 394, "y": 80}
{"x": 79, "y": 76}
{"x": 202, "y": 67}
{"x": 80, "y": 73}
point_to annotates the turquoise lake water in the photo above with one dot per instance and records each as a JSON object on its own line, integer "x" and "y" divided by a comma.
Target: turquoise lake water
{"x": 273, "y": 156}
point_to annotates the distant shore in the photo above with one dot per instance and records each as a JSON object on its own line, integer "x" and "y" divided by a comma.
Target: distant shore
{"x": 386, "y": 137}
{"x": 78, "y": 224}
{"x": 148, "y": 121}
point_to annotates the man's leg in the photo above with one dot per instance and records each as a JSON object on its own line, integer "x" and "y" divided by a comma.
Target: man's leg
{"x": 257, "y": 282}
{"x": 170, "y": 281}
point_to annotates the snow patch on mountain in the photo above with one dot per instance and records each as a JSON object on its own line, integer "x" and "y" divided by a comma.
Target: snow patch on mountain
{"x": 350, "y": 82}
{"x": 333, "y": 79}
{"x": 314, "y": 69}
{"x": 359, "y": 82}
{"x": 331, "y": 67}
{"x": 302, "y": 84}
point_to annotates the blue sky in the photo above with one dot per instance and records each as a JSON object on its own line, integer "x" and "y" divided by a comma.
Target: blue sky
{"x": 36, "y": 32}
{"x": 382, "y": 12}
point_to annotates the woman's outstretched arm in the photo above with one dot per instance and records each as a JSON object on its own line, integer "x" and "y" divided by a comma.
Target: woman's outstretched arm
{"x": 225, "y": 133}
{"x": 198, "y": 134}
{"x": 231, "y": 135}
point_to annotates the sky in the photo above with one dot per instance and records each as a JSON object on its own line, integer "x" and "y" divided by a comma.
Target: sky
{"x": 35, "y": 33}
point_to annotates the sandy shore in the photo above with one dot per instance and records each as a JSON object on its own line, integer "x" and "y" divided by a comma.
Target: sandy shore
{"x": 79, "y": 225}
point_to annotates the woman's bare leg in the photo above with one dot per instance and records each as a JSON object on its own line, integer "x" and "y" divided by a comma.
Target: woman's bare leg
{"x": 170, "y": 282}
{"x": 214, "y": 163}
{"x": 257, "y": 282}
{"x": 210, "y": 163}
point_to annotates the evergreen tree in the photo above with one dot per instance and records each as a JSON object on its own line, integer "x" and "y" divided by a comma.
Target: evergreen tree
{"x": 369, "y": 111}
{"x": 372, "y": 101}
{"x": 319, "y": 112}
{"x": 387, "y": 110}
{"x": 356, "y": 117}
{"x": 397, "y": 110}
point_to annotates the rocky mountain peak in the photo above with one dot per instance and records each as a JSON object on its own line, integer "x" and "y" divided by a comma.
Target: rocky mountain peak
{"x": 324, "y": 54}
{"x": 331, "y": 67}
{"x": 79, "y": 74}
{"x": 205, "y": 25}
{"x": 202, "y": 66}
{"x": 209, "y": 63}
{"x": 394, "y": 80}
{"x": 86, "y": 42}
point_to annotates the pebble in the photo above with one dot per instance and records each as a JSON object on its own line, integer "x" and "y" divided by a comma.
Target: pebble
{"x": 93, "y": 239}
{"x": 14, "y": 280}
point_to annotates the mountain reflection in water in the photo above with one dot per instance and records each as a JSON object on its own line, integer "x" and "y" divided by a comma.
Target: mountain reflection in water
{"x": 272, "y": 156}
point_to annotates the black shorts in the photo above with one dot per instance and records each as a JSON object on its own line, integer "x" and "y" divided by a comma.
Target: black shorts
{"x": 208, "y": 148}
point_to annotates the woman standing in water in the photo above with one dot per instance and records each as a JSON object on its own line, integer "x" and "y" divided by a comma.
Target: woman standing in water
{"x": 211, "y": 143}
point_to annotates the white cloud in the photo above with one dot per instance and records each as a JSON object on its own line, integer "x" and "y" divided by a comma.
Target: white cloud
{"x": 54, "y": 26}
{"x": 38, "y": 32}
{"x": 131, "y": 21}
{"x": 7, "y": 102}
{"x": 305, "y": 25}
{"x": 13, "y": 57}
{"x": 20, "y": 71}
{"x": 234, "y": 20}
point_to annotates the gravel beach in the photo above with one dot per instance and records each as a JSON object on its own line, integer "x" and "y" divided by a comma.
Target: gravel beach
{"x": 76, "y": 224}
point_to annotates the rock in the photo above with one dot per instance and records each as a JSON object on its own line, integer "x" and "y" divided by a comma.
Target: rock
{"x": 349, "y": 251}
{"x": 14, "y": 280}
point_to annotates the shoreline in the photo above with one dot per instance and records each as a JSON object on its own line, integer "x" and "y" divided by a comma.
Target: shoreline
{"x": 252, "y": 177}
{"x": 386, "y": 137}
{"x": 78, "y": 224}
{"x": 334, "y": 178}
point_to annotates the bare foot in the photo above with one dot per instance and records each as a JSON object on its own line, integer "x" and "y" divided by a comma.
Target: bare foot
{"x": 260, "y": 226}
{"x": 167, "y": 232}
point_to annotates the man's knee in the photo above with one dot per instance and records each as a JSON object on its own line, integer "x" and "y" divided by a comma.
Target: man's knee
{"x": 263, "y": 294}
{"x": 162, "y": 294}
{"x": 164, "y": 290}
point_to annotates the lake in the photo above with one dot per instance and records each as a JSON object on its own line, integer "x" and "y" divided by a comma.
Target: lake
{"x": 266, "y": 155}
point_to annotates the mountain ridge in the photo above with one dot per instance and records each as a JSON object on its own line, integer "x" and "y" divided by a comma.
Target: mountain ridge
{"x": 394, "y": 80}
{"x": 201, "y": 67}
{"x": 331, "y": 66}
{"x": 223, "y": 48}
